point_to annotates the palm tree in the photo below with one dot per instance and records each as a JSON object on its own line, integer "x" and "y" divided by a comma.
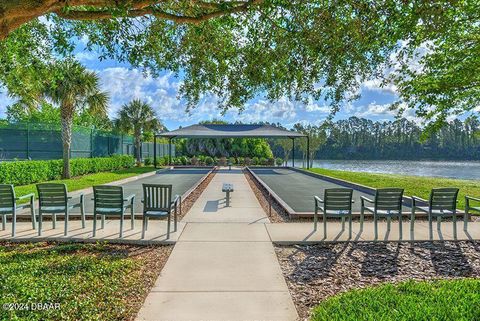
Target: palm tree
{"x": 138, "y": 118}
{"x": 74, "y": 88}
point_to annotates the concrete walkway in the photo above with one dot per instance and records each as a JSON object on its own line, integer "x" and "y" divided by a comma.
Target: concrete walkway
{"x": 223, "y": 266}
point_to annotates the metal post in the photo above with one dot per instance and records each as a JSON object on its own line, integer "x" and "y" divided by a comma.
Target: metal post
{"x": 308, "y": 151}
{"x": 91, "y": 142}
{"x": 155, "y": 151}
{"x": 170, "y": 151}
{"x": 293, "y": 152}
{"x": 28, "y": 143}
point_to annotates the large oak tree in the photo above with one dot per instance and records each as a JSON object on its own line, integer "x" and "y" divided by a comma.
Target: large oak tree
{"x": 237, "y": 49}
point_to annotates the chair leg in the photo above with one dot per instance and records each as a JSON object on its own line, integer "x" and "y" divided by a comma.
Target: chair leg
{"x": 14, "y": 222}
{"x": 82, "y": 212}
{"x": 121, "y": 224}
{"x": 412, "y": 224}
{"x": 324, "y": 226}
{"x": 466, "y": 218}
{"x": 430, "y": 226}
{"x": 343, "y": 223}
{"x": 103, "y": 221}
{"x": 175, "y": 219}
{"x": 400, "y": 227}
{"x": 132, "y": 219}
{"x": 32, "y": 213}
{"x": 40, "y": 223}
{"x": 54, "y": 220}
{"x": 146, "y": 223}
{"x": 389, "y": 223}
{"x": 94, "y": 224}
{"x": 439, "y": 222}
{"x": 144, "y": 220}
{"x": 4, "y": 218}
{"x": 350, "y": 227}
{"x": 315, "y": 219}
{"x": 375, "y": 224}
{"x": 66, "y": 224}
{"x": 454, "y": 226}
{"x": 168, "y": 227}
{"x": 362, "y": 218}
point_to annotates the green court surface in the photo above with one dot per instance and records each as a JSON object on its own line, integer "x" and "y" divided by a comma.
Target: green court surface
{"x": 297, "y": 189}
{"x": 181, "y": 179}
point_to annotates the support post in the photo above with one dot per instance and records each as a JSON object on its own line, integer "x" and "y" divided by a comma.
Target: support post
{"x": 308, "y": 151}
{"x": 170, "y": 151}
{"x": 293, "y": 152}
{"x": 155, "y": 151}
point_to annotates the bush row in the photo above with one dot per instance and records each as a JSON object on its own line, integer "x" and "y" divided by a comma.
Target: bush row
{"x": 29, "y": 172}
{"x": 222, "y": 161}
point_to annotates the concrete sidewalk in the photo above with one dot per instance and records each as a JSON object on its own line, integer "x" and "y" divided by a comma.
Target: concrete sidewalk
{"x": 223, "y": 266}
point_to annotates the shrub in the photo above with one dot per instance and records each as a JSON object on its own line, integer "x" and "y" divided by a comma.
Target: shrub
{"x": 29, "y": 172}
{"x": 148, "y": 161}
{"x": 232, "y": 160}
{"x": 255, "y": 161}
{"x": 278, "y": 161}
{"x": 263, "y": 161}
{"x": 241, "y": 161}
{"x": 248, "y": 161}
{"x": 271, "y": 161}
{"x": 222, "y": 161}
{"x": 208, "y": 161}
{"x": 194, "y": 161}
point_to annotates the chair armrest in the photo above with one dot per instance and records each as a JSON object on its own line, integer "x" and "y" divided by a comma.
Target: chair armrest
{"x": 129, "y": 198}
{"x": 366, "y": 199}
{"x": 472, "y": 198}
{"x": 416, "y": 199}
{"x": 317, "y": 200}
{"x": 25, "y": 196}
{"x": 175, "y": 200}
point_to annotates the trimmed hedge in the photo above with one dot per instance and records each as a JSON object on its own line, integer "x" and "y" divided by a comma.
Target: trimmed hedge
{"x": 29, "y": 172}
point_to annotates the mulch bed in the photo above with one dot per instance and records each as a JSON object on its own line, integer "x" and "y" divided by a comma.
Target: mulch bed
{"x": 316, "y": 272}
{"x": 192, "y": 198}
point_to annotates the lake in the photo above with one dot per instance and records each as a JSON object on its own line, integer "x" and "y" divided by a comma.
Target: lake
{"x": 449, "y": 169}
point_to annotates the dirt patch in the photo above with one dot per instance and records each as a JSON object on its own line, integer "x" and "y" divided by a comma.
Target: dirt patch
{"x": 192, "y": 198}
{"x": 316, "y": 272}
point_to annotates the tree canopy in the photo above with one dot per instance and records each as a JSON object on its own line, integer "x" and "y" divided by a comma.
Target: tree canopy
{"x": 237, "y": 50}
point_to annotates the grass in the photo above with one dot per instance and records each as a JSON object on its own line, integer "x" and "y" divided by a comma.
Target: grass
{"x": 454, "y": 300}
{"x": 77, "y": 183}
{"x": 89, "y": 281}
{"x": 413, "y": 185}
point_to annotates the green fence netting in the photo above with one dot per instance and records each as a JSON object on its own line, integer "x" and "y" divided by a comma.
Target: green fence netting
{"x": 43, "y": 141}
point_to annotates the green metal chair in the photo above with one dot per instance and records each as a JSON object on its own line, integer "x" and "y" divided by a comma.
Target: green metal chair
{"x": 109, "y": 200}
{"x": 386, "y": 203}
{"x": 157, "y": 202}
{"x": 442, "y": 203}
{"x": 469, "y": 208}
{"x": 9, "y": 206}
{"x": 337, "y": 203}
{"x": 53, "y": 199}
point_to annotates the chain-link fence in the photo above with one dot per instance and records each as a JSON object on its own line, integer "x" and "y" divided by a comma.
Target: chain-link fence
{"x": 43, "y": 141}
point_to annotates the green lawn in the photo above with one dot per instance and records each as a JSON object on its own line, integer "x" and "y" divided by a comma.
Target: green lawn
{"x": 454, "y": 300}
{"x": 413, "y": 185}
{"x": 89, "y": 180}
{"x": 88, "y": 281}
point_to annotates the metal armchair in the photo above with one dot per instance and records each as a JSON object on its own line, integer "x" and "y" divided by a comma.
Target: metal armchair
{"x": 9, "y": 206}
{"x": 337, "y": 203}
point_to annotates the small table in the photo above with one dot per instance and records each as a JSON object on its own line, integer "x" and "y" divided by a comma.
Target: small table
{"x": 227, "y": 188}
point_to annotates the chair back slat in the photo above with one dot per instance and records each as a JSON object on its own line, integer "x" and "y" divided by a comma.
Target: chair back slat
{"x": 7, "y": 196}
{"x": 107, "y": 196}
{"x": 52, "y": 194}
{"x": 444, "y": 199}
{"x": 157, "y": 197}
{"x": 389, "y": 199}
{"x": 338, "y": 199}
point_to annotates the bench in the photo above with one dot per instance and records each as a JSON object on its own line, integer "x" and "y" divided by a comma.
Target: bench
{"x": 227, "y": 188}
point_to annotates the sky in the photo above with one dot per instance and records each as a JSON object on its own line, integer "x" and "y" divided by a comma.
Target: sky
{"x": 125, "y": 83}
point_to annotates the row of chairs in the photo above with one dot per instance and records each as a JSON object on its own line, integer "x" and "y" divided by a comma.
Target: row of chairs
{"x": 53, "y": 199}
{"x": 387, "y": 203}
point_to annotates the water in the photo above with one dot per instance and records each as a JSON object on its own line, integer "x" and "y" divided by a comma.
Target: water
{"x": 449, "y": 169}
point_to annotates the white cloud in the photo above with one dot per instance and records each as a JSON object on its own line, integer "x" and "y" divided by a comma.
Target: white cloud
{"x": 262, "y": 110}
{"x": 86, "y": 56}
